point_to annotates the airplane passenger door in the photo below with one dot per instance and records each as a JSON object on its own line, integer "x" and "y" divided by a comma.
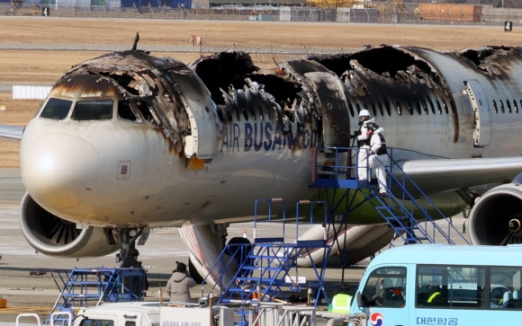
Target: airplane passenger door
{"x": 201, "y": 111}
{"x": 334, "y": 108}
{"x": 480, "y": 105}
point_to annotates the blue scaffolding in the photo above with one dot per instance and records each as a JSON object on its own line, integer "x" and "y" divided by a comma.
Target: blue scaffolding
{"x": 406, "y": 208}
{"x": 84, "y": 287}
{"x": 266, "y": 269}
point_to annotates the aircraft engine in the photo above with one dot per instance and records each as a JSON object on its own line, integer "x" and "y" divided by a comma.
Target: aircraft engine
{"x": 496, "y": 218}
{"x": 53, "y": 236}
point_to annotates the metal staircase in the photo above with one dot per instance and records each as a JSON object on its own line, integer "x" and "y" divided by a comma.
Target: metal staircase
{"x": 266, "y": 268}
{"x": 83, "y": 287}
{"x": 406, "y": 208}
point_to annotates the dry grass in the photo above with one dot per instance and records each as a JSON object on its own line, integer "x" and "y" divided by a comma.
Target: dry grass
{"x": 245, "y": 33}
{"x": 27, "y": 66}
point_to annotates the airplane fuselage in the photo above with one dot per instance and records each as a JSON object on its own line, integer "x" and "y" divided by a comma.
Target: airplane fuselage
{"x": 116, "y": 172}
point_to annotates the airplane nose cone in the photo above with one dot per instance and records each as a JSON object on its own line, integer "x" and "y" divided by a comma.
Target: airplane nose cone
{"x": 59, "y": 170}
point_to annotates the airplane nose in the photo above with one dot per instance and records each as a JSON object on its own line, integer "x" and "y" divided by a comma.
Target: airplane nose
{"x": 59, "y": 170}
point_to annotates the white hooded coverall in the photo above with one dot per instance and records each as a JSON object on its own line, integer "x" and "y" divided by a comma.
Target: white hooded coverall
{"x": 378, "y": 162}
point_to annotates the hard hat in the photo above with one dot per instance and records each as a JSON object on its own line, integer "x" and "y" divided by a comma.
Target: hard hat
{"x": 364, "y": 113}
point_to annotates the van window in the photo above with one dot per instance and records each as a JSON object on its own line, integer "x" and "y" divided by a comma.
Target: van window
{"x": 97, "y": 322}
{"x": 451, "y": 286}
{"x": 386, "y": 288}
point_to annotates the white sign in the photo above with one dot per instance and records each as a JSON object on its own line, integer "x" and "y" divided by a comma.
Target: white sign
{"x": 173, "y": 316}
{"x": 295, "y": 280}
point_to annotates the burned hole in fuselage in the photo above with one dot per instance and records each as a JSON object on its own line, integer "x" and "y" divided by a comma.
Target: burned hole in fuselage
{"x": 125, "y": 112}
{"x": 146, "y": 113}
{"x": 476, "y": 56}
{"x": 231, "y": 67}
{"x": 242, "y": 91}
{"x": 124, "y": 80}
{"x": 385, "y": 60}
{"x": 389, "y": 76}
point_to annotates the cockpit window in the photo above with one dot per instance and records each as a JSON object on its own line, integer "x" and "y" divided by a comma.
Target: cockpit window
{"x": 125, "y": 111}
{"x": 56, "y": 109}
{"x": 93, "y": 110}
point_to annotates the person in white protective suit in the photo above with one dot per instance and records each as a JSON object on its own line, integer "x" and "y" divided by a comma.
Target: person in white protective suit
{"x": 378, "y": 156}
{"x": 363, "y": 142}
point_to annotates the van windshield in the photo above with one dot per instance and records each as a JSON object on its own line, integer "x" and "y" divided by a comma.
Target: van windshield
{"x": 386, "y": 288}
{"x": 97, "y": 322}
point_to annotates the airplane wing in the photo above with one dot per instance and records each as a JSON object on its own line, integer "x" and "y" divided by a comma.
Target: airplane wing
{"x": 11, "y": 132}
{"x": 449, "y": 174}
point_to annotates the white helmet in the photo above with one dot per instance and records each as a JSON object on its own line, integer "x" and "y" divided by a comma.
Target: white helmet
{"x": 364, "y": 113}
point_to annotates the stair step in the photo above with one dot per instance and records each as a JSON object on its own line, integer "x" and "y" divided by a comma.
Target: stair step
{"x": 81, "y": 295}
{"x": 86, "y": 283}
{"x": 273, "y": 257}
{"x": 264, "y": 268}
{"x": 262, "y": 280}
{"x": 269, "y": 240}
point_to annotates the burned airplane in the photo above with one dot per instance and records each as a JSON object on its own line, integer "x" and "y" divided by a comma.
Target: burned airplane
{"x": 127, "y": 142}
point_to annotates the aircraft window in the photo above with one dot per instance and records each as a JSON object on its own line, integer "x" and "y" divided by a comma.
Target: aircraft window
{"x": 425, "y": 108}
{"x": 515, "y": 106}
{"x": 439, "y": 107}
{"x": 495, "y": 106}
{"x": 399, "y": 109}
{"x": 410, "y": 108}
{"x": 453, "y": 109}
{"x": 508, "y": 105}
{"x": 445, "y": 107}
{"x": 380, "y": 108}
{"x": 419, "y": 109}
{"x": 374, "y": 109}
{"x": 387, "y": 106}
{"x": 93, "y": 110}
{"x": 501, "y": 106}
{"x": 125, "y": 111}
{"x": 351, "y": 109}
{"x": 431, "y": 106}
{"x": 56, "y": 109}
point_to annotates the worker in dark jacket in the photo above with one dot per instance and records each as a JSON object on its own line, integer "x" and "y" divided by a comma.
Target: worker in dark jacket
{"x": 135, "y": 284}
{"x": 179, "y": 284}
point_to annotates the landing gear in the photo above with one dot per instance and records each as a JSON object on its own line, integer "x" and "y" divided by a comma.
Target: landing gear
{"x": 127, "y": 238}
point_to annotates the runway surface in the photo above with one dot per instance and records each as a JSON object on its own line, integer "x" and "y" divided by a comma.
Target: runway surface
{"x": 25, "y": 291}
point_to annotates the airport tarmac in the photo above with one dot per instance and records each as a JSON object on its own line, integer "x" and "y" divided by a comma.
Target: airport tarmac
{"x": 26, "y": 277}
